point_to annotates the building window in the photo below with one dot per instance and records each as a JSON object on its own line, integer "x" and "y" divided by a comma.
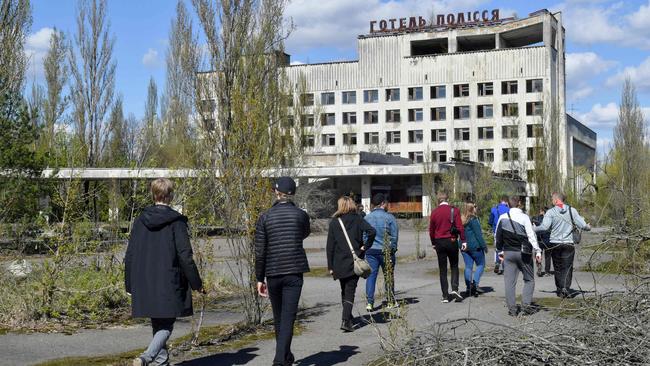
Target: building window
{"x": 484, "y": 111}
{"x": 509, "y": 132}
{"x": 461, "y": 134}
{"x": 509, "y": 87}
{"x": 289, "y": 100}
{"x": 438, "y": 114}
{"x": 288, "y": 122}
{"x": 370, "y": 117}
{"x": 485, "y": 89}
{"x": 510, "y": 110}
{"x": 438, "y": 135}
{"x": 461, "y": 90}
{"x": 394, "y": 154}
{"x": 327, "y": 119}
{"x": 371, "y": 138}
{"x": 393, "y": 115}
{"x": 307, "y": 120}
{"x": 439, "y": 156}
{"x": 534, "y": 108}
{"x": 461, "y": 112}
{"x": 416, "y": 115}
{"x": 438, "y": 92}
{"x": 349, "y": 139}
{"x": 534, "y": 86}
{"x": 416, "y": 136}
{"x": 416, "y": 156}
{"x": 486, "y": 133}
{"x": 329, "y": 139}
{"x": 415, "y": 93}
{"x": 461, "y": 155}
{"x": 349, "y": 97}
{"x": 486, "y": 155}
{"x": 393, "y": 137}
{"x": 371, "y": 96}
{"x": 308, "y": 140}
{"x": 534, "y": 131}
{"x": 327, "y": 98}
{"x": 307, "y": 99}
{"x": 510, "y": 154}
{"x": 392, "y": 95}
{"x": 349, "y": 118}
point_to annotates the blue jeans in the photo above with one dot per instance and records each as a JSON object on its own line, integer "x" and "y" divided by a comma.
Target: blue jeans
{"x": 474, "y": 257}
{"x": 156, "y": 353}
{"x": 376, "y": 259}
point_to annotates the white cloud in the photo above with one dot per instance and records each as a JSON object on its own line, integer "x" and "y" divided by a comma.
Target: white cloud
{"x": 603, "y": 146}
{"x": 601, "y": 116}
{"x": 581, "y": 68}
{"x": 592, "y": 22}
{"x": 36, "y": 46}
{"x": 294, "y": 63}
{"x": 336, "y": 23}
{"x": 150, "y": 59}
{"x": 605, "y": 116}
{"x": 639, "y": 75}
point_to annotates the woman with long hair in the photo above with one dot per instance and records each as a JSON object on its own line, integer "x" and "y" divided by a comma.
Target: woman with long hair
{"x": 340, "y": 261}
{"x": 474, "y": 254}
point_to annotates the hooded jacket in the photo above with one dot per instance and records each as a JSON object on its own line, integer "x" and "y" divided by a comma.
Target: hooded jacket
{"x": 558, "y": 221}
{"x": 495, "y": 213}
{"x": 159, "y": 269}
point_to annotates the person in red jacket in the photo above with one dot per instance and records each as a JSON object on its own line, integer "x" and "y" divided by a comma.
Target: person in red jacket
{"x": 445, "y": 228}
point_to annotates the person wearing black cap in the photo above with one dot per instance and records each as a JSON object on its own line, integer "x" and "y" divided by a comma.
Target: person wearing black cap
{"x": 387, "y": 233}
{"x": 280, "y": 262}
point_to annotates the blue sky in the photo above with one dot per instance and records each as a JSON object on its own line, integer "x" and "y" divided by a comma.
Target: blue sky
{"x": 606, "y": 40}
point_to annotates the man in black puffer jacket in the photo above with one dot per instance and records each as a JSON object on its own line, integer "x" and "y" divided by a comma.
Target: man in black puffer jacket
{"x": 281, "y": 258}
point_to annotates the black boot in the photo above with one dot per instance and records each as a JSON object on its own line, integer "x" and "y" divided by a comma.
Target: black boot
{"x": 474, "y": 290}
{"x": 347, "y": 326}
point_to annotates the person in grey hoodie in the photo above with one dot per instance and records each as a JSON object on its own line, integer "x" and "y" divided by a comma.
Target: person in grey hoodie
{"x": 560, "y": 220}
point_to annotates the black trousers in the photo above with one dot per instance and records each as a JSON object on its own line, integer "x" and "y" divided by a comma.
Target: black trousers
{"x": 447, "y": 250}
{"x": 284, "y": 292}
{"x": 348, "y": 288}
{"x": 563, "y": 255}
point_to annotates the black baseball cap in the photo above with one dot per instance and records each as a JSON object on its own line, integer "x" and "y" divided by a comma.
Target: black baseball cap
{"x": 285, "y": 185}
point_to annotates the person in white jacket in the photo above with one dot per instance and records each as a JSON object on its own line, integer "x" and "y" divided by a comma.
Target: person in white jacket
{"x": 516, "y": 244}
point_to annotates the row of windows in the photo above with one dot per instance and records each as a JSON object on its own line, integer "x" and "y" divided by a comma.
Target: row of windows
{"x": 417, "y": 136}
{"x": 417, "y": 93}
{"x": 417, "y": 114}
{"x": 483, "y": 155}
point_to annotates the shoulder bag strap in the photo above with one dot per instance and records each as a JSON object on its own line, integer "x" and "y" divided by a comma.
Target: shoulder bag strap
{"x": 512, "y": 223}
{"x": 452, "y": 216}
{"x": 347, "y": 238}
{"x": 571, "y": 215}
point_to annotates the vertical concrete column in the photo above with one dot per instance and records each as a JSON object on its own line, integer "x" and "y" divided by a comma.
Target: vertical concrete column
{"x": 428, "y": 193}
{"x": 366, "y": 182}
{"x": 114, "y": 200}
{"x": 499, "y": 42}
{"x": 452, "y": 42}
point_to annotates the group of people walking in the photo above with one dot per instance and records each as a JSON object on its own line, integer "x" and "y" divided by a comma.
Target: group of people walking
{"x": 161, "y": 273}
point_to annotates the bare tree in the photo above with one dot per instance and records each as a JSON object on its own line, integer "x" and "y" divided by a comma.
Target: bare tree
{"x": 245, "y": 51}
{"x": 631, "y": 155}
{"x": 118, "y": 148}
{"x": 56, "y": 78}
{"x": 151, "y": 136}
{"x": 15, "y": 22}
{"x": 183, "y": 62}
{"x": 547, "y": 176}
{"x": 93, "y": 75}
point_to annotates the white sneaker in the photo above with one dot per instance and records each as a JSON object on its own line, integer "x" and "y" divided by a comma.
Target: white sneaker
{"x": 456, "y": 296}
{"x": 444, "y": 300}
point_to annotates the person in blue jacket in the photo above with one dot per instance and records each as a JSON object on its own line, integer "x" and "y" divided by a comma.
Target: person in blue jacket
{"x": 474, "y": 253}
{"x": 495, "y": 213}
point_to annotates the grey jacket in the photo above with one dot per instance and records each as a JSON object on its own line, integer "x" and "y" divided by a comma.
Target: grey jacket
{"x": 558, "y": 222}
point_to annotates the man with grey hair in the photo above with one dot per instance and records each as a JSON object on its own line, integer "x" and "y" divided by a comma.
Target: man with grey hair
{"x": 561, "y": 220}
{"x": 517, "y": 243}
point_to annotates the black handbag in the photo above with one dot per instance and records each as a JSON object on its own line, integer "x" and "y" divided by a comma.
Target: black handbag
{"x": 576, "y": 234}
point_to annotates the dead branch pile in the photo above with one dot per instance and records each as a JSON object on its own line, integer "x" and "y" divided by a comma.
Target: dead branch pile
{"x": 610, "y": 329}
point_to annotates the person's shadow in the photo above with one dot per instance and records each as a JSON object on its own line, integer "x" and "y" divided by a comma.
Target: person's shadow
{"x": 329, "y": 358}
{"x": 241, "y": 357}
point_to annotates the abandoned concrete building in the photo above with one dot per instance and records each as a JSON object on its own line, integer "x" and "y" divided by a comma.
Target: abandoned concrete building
{"x": 485, "y": 90}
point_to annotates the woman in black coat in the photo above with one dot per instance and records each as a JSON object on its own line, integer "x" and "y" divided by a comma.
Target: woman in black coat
{"x": 160, "y": 272}
{"x": 339, "y": 256}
